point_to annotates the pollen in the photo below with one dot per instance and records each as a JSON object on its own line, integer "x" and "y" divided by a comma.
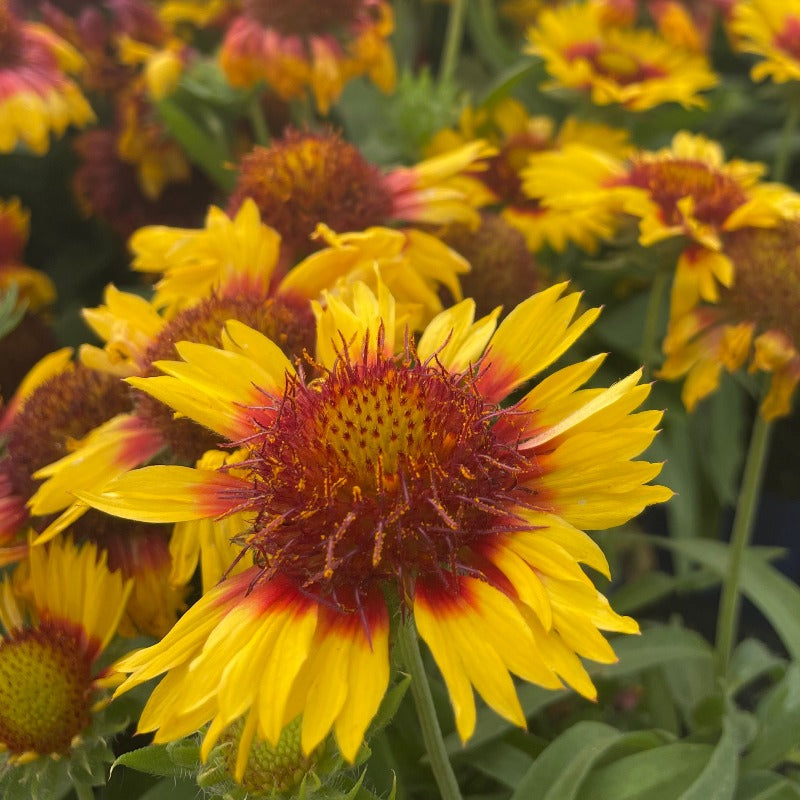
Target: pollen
{"x": 37, "y": 719}
{"x": 379, "y": 471}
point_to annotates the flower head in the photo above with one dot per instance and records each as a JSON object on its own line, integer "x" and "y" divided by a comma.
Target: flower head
{"x": 635, "y": 68}
{"x": 54, "y": 642}
{"x": 374, "y": 472}
{"x": 36, "y": 96}
{"x": 516, "y": 135}
{"x": 307, "y": 178}
{"x": 771, "y": 30}
{"x": 753, "y": 321}
{"x": 296, "y": 47}
{"x": 687, "y": 189}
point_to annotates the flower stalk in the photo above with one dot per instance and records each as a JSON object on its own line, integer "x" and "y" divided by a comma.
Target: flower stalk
{"x": 750, "y": 491}
{"x": 452, "y": 42}
{"x": 408, "y": 647}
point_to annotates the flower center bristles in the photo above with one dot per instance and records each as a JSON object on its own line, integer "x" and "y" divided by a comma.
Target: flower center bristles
{"x": 381, "y": 470}
{"x": 715, "y": 194}
{"x": 45, "y": 689}
{"x": 303, "y": 17}
{"x": 64, "y": 408}
{"x": 767, "y": 284}
{"x": 287, "y": 321}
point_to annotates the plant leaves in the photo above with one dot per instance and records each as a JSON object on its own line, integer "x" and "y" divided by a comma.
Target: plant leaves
{"x": 153, "y": 759}
{"x": 557, "y": 774}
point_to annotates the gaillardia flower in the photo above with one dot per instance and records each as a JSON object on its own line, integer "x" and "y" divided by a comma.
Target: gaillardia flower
{"x": 372, "y": 473}
{"x": 687, "y": 189}
{"x": 516, "y": 135}
{"x": 49, "y": 685}
{"x": 306, "y": 178}
{"x": 635, "y": 68}
{"x": 770, "y": 29}
{"x": 36, "y": 96}
{"x": 754, "y": 320}
{"x": 295, "y": 46}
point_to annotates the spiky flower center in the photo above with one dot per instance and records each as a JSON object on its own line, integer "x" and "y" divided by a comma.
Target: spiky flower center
{"x": 379, "y": 471}
{"x": 766, "y": 288}
{"x": 45, "y": 688}
{"x": 307, "y": 178}
{"x": 288, "y": 321}
{"x": 716, "y": 195}
{"x": 304, "y": 17}
{"x": 63, "y": 409}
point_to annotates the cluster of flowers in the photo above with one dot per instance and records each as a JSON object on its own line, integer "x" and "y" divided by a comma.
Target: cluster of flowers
{"x": 304, "y": 438}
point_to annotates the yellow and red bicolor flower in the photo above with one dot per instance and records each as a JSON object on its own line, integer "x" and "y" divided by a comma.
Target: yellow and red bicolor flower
{"x": 297, "y": 47}
{"x": 229, "y": 269}
{"x": 37, "y": 97}
{"x": 686, "y": 189}
{"x": 378, "y": 472}
{"x": 35, "y": 289}
{"x": 516, "y": 135}
{"x": 54, "y": 417}
{"x": 50, "y": 685}
{"x": 633, "y": 67}
{"x": 306, "y": 178}
{"x": 769, "y": 29}
{"x": 754, "y": 321}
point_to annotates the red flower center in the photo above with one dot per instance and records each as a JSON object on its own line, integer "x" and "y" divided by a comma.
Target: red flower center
{"x": 303, "y": 17}
{"x": 379, "y": 471}
{"x": 788, "y": 39}
{"x": 715, "y": 194}
{"x": 621, "y": 67}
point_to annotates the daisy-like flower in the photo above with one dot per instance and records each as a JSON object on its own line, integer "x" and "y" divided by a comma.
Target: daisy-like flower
{"x": 55, "y": 412}
{"x": 516, "y": 135}
{"x": 686, "y": 189}
{"x": 51, "y": 690}
{"x": 34, "y": 288}
{"x": 635, "y": 68}
{"x": 37, "y": 97}
{"x": 229, "y": 269}
{"x": 307, "y": 178}
{"x": 374, "y": 473}
{"x": 754, "y": 321}
{"x": 300, "y": 46}
{"x": 769, "y": 29}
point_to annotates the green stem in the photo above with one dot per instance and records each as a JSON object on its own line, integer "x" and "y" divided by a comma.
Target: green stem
{"x": 408, "y": 647}
{"x": 652, "y": 319}
{"x": 750, "y": 490}
{"x": 258, "y": 121}
{"x": 781, "y": 165}
{"x": 452, "y": 42}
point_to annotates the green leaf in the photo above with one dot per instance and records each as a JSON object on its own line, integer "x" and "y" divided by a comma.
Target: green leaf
{"x": 770, "y": 591}
{"x": 204, "y": 149}
{"x": 779, "y": 714}
{"x": 170, "y": 789}
{"x": 764, "y": 785}
{"x": 750, "y": 661}
{"x": 389, "y": 705}
{"x": 718, "y": 778}
{"x": 557, "y": 774}
{"x": 153, "y": 759}
{"x": 502, "y": 761}
{"x": 662, "y": 773}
